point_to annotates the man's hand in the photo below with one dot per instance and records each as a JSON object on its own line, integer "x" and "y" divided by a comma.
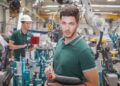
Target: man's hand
{"x": 13, "y": 46}
{"x": 23, "y": 46}
{"x": 48, "y": 70}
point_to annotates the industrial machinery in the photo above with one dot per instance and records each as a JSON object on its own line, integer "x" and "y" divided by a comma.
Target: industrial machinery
{"x": 14, "y": 6}
{"x": 5, "y": 72}
{"x": 30, "y": 70}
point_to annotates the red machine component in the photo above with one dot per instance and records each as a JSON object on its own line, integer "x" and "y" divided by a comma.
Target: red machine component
{"x": 35, "y": 40}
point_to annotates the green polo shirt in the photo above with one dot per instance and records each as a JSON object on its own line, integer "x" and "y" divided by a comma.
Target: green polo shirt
{"x": 20, "y": 38}
{"x": 73, "y": 59}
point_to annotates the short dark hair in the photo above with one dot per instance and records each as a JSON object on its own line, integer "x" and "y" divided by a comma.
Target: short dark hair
{"x": 22, "y": 21}
{"x": 70, "y": 10}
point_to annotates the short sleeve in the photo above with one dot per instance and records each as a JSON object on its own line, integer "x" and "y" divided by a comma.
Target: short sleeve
{"x": 12, "y": 37}
{"x": 87, "y": 59}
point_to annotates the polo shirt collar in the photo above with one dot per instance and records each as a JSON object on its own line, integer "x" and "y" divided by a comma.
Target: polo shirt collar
{"x": 23, "y": 33}
{"x": 73, "y": 42}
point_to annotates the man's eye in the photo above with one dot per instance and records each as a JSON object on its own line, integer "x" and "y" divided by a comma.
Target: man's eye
{"x": 63, "y": 23}
{"x": 71, "y": 23}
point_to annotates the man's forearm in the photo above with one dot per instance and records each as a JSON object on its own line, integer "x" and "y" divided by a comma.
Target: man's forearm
{"x": 12, "y": 46}
{"x": 15, "y": 47}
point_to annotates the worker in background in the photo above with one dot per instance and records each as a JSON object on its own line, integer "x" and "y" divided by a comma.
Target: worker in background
{"x": 20, "y": 38}
{"x": 72, "y": 56}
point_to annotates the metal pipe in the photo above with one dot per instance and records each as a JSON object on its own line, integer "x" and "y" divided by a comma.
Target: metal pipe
{"x": 3, "y": 29}
{"x": 4, "y": 5}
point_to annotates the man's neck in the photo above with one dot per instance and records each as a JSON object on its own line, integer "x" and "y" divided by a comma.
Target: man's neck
{"x": 68, "y": 40}
{"x": 24, "y": 31}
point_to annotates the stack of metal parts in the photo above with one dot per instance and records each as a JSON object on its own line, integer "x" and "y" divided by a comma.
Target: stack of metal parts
{"x": 30, "y": 71}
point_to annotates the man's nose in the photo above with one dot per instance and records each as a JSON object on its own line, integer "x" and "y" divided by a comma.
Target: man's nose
{"x": 67, "y": 27}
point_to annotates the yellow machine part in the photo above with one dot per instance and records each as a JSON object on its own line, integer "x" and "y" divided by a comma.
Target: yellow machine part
{"x": 114, "y": 53}
{"x": 104, "y": 40}
{"x": 94, "y": 39}
{"x": 50, "y": 27}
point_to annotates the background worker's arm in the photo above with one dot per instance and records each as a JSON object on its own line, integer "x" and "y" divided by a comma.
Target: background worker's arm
{"x": 13, "y": 46}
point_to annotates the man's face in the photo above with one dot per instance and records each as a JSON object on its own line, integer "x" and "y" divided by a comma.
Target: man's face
{"x": 69, "y": 26}
{"x": 27, "y": 25}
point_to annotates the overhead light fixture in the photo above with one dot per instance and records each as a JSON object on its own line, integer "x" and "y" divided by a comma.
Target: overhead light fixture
{"x": 93, "y": 5}
{"x": 46, "y": 10}
{"x": 109, "y": 13}
{"x": 52, "y": 13}
{"x": 97, "y": 10}
{"x": 111, "y": 0}
{"x": 107, "y": 6}
{"x": 50, "y": 6}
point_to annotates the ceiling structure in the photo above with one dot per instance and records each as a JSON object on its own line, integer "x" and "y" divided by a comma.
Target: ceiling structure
{"x": 48, "y": 7}
{"x": 99, "y": 6}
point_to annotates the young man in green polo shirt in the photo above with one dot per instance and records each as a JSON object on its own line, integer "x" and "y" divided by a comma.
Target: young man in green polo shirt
{"x": 72, "y": 56}
{"x": 19, "y": 39}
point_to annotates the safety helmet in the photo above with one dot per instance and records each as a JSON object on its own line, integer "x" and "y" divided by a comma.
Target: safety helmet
{"x": 26, "y": 18}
